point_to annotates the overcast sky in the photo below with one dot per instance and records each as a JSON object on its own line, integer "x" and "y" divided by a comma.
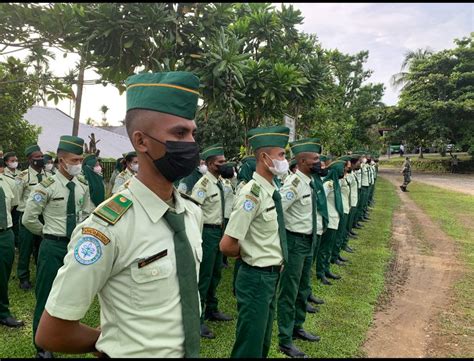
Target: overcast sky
{"x": 386, "y": 30}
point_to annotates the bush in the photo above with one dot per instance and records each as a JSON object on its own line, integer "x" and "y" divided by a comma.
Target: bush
{"x": 431, "y": 165}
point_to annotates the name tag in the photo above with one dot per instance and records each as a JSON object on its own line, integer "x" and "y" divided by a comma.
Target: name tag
{"x": 307, "y": 195}
{"x": 269, "y": 209}
{"x": 58, "y": 199}
{"x": 146, "y": 261}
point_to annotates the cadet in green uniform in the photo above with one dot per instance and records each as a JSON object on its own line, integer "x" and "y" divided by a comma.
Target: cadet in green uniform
{"x": 335, "y": 212}
{"x": 7, "y": 249}
{"x": 49, "y": 165}
{"x": 299, "y": 203}
{"x": 256, "y": 233}
{"x": 93, "y": 173}
{"x": 63, "y": 200}
{"x": 10, "y": 173}
{"x": 131, "y": 168}
{"x": 209, "y": 193}
{"x": 118, "y": 168}
{"x": 406, "y": 171}
{"x": 354, "y": 199}
{"x": 141, "y": 248}
{"x": 187, "y": 183}
{"x": 29, "y": 243}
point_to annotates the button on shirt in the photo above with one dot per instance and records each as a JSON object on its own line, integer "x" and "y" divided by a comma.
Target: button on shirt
{"x": 141, "y": 312}
{"x": 208, "y": 195}
{"x": 26, "y": 180}
{"x": 297, "y": 204}
{"x": 51, "y": 202}
{"x": 253, "y": 222}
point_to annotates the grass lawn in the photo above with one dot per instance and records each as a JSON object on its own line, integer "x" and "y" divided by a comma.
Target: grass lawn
{"x": 454, "y": 212}
{"x": 342, "y": 322}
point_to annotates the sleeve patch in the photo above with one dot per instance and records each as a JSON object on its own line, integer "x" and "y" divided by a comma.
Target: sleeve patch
{"x": 88, "y": 250}
{"x": 38, "y": 197}
{"x": 289, "y": 195}
{"x": 249, "y": 205}
{"x": 252, "y": 198}
{"x": 97, "y": 234}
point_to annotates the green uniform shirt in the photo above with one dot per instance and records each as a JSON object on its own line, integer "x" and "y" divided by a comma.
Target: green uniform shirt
{"x": 331, "y": 202}
{"x": 26, "y": 180}
{"x": 208, "y": 195}
{"x": 253, "y": 222}
{"x": 49, "y": 198}
{"x": 140, "y": 306}
{"x": 345, "y": 193}
{"x": 365, "y": 175}
{"x": 9, "y": 197}
{"x": 297, "y": 204}
{"x": 10, "y": 178}
{"x": 121, "y": 178}
{"x": 351, "y": 178}
{"x": 229, "y": 195}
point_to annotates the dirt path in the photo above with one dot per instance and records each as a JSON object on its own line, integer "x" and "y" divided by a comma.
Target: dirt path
{"x": 422, "y": 274}
{"x": 463, "y": 183}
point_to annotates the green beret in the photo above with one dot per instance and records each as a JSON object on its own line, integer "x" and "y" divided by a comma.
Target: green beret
{"x": 174, "y": 92}
{"x": 47, "y": 157}
{"x": 268, "y": 137}
{"x": 248, "y": 158}
{"x": 323, "y": 158}
{"x": 71, "y": 144}
{"x": 345, "y": 158}
{"x": 90, "y": 160}
{"x": 215, "y": 149}
{"x": 31, "y": 149}
{"x": 306, "y": 145}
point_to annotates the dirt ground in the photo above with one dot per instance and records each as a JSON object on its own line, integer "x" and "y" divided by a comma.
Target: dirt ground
{"x": 463, "y": 183}
{"x": 422, "y": 274}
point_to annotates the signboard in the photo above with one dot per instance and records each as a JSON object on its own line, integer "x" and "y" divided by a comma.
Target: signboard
{"x": 290, "y": 123}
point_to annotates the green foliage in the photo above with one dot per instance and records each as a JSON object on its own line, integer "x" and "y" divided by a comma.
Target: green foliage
{"x": 437, "y": 101}
{"x": 15, "y": 99}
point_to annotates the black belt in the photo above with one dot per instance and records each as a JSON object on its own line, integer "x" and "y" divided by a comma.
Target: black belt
{"x": 272, "y": 269}
{"x": 219, "y": 226}
{"x": 301, "y": 235}
{"x": 5, "y": 230}
{"x": 56, "y": 238}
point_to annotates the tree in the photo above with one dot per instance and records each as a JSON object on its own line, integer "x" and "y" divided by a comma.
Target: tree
{"x": 15, "y": 99}
{"x": 104, "y": 109}
{"x": 411, "y": 59}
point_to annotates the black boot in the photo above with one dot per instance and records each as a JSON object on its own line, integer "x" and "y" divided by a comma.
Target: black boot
{"x": 292, "y": 351}
{"x": 312, "y": 298}
{"x": 325, "y": 281}
{"x": 332, "y": 275}
{"x": 206, "y": 332}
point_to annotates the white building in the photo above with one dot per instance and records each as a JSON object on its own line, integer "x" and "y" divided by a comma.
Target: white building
{"x": 54, "y": 123}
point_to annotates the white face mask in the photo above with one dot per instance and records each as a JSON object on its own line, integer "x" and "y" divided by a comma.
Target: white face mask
{"x": 134, "y": 167}
{"x": 235, "y": 175}
{"x": 98, "y": 169}
{"x": 202, "y": 169}
{"x": 48, "y": 167}
{"x": 73, "y": 170}
{"x": 364, "y": 160}
{"x": 280, "y": 167}
{"x": 12, "y": 165}
{"x": 372, "y": 162}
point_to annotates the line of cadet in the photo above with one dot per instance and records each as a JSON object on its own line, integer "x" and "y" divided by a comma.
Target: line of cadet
{"x": 154, "y": 251}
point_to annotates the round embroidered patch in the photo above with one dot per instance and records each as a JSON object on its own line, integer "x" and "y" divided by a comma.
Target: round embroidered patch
{"x": 249, "y": 205}
{"x": 88, "y": 250}
{"x": 290, "y": 195}
{"x": 119, "y": 180}
{"x": 37, "y": 197}
{"x": 201, "y": 194}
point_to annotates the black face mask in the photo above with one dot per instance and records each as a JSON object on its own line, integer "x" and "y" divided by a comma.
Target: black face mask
{"x": 38, "y": 163}
{"x": 316, "y": 169}
{"x": 226, "y": 171}
{"x": 341, "y": 176}
{"x": 349, "y": 170}
{"x": 180, "y": 159}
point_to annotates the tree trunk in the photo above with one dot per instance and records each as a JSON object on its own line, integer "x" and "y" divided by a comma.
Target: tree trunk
{"x": 421, "y": 152}
{"x": 77, "y": 108}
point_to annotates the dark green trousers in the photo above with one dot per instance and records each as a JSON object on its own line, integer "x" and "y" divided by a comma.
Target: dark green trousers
{"x": 294, "y": 288}
{"x": 50, "y": 260}
{"x": 325, "y": 250}
{"x": 29, "y": 244}
{"x": 371, "y": 193}
{"x": 314, "y": 259}
{"x": 341, "y": 235}
{"x": 350, "y": 224}
{"x": 210, "y": 270}
{"x": 7, "y": 255}
{"x": 237, "y": 264}
{"x": 364, "y": 193}
{"x": 16, "y": 224}
{"x": 256, "y": 298}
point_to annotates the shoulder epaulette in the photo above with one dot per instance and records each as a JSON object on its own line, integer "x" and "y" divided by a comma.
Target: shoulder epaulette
{"x": 114, "y": 209}
{"x": 47, "y": 182}
{"x": 23, "y": 173}
{"x": 296, "y": 182}
{"x": 204, "y": 181}
{"x": 189, "y": 198}
{"x": 82, "y": 179}
{"x": 255, "y": 190}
